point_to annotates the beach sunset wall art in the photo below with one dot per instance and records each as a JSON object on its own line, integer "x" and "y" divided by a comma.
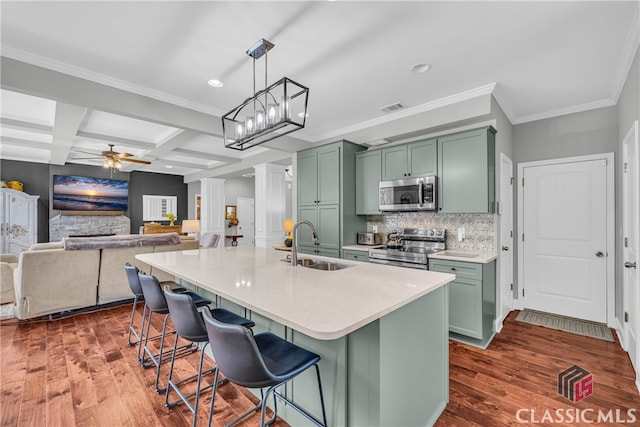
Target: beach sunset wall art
{"x": 79, "y": 193}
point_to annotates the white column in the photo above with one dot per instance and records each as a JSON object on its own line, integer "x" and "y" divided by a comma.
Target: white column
{"x": 269, "y": 204}
{"x": 212, "y": 206}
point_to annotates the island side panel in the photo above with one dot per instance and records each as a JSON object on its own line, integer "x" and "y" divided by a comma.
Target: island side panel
{"x": 414, "y": 361}
{"x": 303, "y": 390}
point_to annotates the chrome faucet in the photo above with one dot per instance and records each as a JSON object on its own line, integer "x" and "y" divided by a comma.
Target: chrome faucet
{"x": 294, "y": 250}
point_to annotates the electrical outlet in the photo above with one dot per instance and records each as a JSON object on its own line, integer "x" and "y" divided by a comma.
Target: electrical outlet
{"x": 375, "y": 228}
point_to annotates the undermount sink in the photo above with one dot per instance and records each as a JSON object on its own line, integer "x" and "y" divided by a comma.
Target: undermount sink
{"x": 459, "y": 254}
{"x": 318, "y": 264}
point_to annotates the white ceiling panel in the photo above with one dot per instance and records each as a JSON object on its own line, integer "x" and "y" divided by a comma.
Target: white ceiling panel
{"x": 27, "y": 108}
{"x": 8, "y": 132}
{"x": 125, "y": 127}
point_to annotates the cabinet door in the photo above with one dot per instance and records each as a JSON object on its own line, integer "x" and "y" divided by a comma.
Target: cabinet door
{"x": 329, "y": 227}
{"x": 465, "y": 307}
{"x": 466, "y": 172}
{"x": 368, "y": 177}
{"x": 394, "y": 163}
{"x": 423, "y": 160}
{"x": 307, "y": 178}
{"x": 303, "y": 233}
{"x": 328, "y": 175}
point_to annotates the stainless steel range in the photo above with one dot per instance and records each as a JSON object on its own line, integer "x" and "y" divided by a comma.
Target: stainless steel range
{"x": 409, "y": 247}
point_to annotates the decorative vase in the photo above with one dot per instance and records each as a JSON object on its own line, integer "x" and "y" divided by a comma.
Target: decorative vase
{"x": 170, "y": 223}
{"x": 288, "y": 242}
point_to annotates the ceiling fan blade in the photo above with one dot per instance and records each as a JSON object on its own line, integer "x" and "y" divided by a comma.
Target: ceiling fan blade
{"x": 87, "y": 158}
{"x": 122, "y": 155}
{"x": 143, "y": 162}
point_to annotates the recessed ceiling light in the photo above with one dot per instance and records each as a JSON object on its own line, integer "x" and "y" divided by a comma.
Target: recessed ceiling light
{"x": 420, "y": 68}
{"x": 169, "y": 167}
{"x": 215, "y": 83}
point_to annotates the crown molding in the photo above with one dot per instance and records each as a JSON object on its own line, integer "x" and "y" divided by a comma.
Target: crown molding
{"x": 438, "y": 103}
{"x": 51, "y": 64}
{"x": 564, "y": 111}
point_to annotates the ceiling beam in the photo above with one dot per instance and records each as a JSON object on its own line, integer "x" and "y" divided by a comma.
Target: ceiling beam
{"x": 208, "y": 156}
{"x": 26, "y": 126}
{"x": 67, "y": 121}
{"x": 38, "y": 81}
{"x": 115, "y": 140}
{"x": 270, "y": 156}
{"x": 25, "y": 143}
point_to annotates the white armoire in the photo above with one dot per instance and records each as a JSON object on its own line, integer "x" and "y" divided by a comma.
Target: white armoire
{"x": 19, "y": 221}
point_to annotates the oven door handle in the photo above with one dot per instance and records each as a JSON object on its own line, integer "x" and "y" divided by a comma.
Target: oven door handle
{"x": 397, "y": 263}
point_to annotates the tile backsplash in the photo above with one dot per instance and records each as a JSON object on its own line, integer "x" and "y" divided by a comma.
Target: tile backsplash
{"x": 480, "y": 229}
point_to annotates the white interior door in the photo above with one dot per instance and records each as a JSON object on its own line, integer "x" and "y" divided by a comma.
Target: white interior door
{"x": 505, "y": 291}
{"x": 246, "y": 221}
{"x": 564, "y": 242}
{"x": 631, "y": 245}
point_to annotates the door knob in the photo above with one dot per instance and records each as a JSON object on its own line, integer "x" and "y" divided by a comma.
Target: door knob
{"x": 630, "y": 264}
{"x": 505, "y": 248}
{"x": 599, "y": 254}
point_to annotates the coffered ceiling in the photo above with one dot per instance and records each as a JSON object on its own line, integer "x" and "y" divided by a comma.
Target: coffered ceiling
{"x": 77, "y": 76}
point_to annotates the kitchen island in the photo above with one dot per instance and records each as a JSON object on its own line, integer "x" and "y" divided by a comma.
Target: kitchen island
{"x": 382, "y": 332}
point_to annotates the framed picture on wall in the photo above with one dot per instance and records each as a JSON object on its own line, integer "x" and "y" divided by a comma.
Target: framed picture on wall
{"x": 230, "y": 212}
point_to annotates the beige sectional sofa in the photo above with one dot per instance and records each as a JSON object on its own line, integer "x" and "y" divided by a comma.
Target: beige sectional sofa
{"x": 51, "y": 279}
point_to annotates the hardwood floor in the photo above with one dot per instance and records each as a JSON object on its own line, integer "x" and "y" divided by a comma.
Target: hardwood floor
{"x": 519, "y": 371}
{"x": 80, "y": 371}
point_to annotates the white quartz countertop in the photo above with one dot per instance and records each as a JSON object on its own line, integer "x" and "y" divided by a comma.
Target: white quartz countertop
{"x": 362, "y": 247}
{"x": 322, "y": 304}
{"x": 465, "y": 255}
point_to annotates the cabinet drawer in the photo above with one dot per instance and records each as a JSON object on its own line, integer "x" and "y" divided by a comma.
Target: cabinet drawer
{"x": 355, "y": 255}
{"x": 462, "y": 270}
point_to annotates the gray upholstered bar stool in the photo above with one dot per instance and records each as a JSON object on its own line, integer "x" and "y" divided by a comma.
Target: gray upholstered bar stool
{"x": 258, "y": 361}
{"x": 188, "y": 324}
{"x": 156, "y": 303}
{"x": 138, "y": 296}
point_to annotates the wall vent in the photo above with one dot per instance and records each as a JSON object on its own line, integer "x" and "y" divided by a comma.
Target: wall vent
{"x": 392, "y": 107}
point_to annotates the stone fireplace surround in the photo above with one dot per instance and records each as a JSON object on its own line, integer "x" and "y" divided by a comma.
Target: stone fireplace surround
{"x": 89, "y": 223}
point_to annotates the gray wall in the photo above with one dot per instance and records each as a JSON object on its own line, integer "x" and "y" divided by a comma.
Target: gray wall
{"x": 35, "y": 178}
{"x": 238, "y": 187}
{"x": 38, "y": 180}
{"x": 578, "y": 134}
{"x": 628, "y": 112}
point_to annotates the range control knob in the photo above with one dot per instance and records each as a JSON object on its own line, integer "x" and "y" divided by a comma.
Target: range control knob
{"x": 439, "y": 233}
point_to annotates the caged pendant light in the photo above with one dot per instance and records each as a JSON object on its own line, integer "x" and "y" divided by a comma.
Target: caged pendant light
{"x": 270, "y": 113}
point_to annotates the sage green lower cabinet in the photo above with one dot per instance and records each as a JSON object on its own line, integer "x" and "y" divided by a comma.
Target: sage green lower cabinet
{"x": 355, "y": 255}
{"x": 472, "y": 299}
{"x": 393, "y": 371}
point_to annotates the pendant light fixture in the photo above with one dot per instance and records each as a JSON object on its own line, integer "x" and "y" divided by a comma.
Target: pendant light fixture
{"x": 270, "y": 113}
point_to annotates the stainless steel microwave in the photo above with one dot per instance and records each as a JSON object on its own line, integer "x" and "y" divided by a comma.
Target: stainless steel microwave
{"x": 413, "y": 194}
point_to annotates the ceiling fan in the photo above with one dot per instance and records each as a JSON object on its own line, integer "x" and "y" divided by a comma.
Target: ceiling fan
{"x": 113, "y": 158}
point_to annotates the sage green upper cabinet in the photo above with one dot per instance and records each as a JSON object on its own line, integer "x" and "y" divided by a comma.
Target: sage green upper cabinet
{"x": 409, "y": 160}
{"x": 319, "y": 176}
{"x": 466, "y": 172}
{"x": 368, "y": 177}
{"x": 327, "y": 197}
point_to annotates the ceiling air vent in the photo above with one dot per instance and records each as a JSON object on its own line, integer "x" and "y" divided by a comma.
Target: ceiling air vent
{"x": 392, "y": 107}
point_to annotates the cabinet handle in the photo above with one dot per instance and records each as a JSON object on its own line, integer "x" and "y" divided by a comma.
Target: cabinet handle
{"x": 630, "y": 264}
{"x": 599, "y": 254}
{"x": 453, "y": 269}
